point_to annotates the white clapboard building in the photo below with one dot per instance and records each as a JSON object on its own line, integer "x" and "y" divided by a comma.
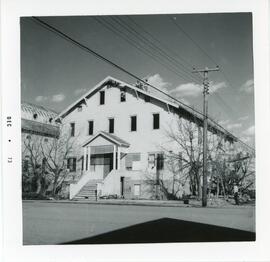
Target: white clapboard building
{"x": 120, "y": 130}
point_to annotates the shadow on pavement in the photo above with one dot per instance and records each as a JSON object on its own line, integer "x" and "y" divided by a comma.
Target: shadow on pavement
{"x": 166, "y": 230}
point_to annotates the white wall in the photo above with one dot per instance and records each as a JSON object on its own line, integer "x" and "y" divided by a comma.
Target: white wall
{"x": 144, "y": 140}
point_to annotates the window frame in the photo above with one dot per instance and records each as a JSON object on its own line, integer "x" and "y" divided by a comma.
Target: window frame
{"x": 73, "y": 164}
{"x": 136, "y": 123}
{"x": 123, "y": 91}
{"x": 153, "y": 126}
{"x": 89, "y": 121}
{"x": 113, "y": 125}
{"x": 72, "y": 129}
{"x": 102, "y": 97}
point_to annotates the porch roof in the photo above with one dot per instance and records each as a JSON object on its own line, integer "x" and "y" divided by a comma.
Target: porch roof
{"x": 112, "y": 138}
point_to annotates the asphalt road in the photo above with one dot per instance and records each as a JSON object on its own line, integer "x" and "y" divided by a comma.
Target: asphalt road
{"x": 55, "y": 223}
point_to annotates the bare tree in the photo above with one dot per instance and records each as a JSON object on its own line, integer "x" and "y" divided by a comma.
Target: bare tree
{"x": 34, "y": 171}
{"x": 56, "y": 152}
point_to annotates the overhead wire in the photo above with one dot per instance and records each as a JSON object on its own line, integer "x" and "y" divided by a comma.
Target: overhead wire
{"x": 97, "y": 55}
{"x": 139, "y": 46}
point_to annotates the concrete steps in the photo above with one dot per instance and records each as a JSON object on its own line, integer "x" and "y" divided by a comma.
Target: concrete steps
{"x": 87, "y": 192}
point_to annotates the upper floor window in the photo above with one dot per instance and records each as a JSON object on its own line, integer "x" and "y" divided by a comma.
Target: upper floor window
{"x": 90, "y": 127}
{"x": 35, "y": 116}
{"x": 102, "y": 97}
{"x": 79, "y": 108}
{"x": 133, "y": 120}
{"x": 156, "y": 121}
{"x": 122, "y": 95}
{"x": 72, "y": 129}
{"x": 111, "y": 125}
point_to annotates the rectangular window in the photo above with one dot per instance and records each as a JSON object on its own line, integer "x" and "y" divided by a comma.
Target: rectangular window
{"x": 71, "y": 164}
{"x": 155, "y": 121}
{"x": 130, "y": 158}
{"x": 102, "y": 97}
{"x": 79, "y": 108}
{"x": 72, "y": 129}
{"x": 122, "y": 95}
{"x": 111, "y": 125}
{"x": 133, "y": 120}
{"x": 90, "y": 127}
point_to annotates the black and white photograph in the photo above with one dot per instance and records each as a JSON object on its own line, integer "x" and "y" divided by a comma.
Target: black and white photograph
{"x": 135, "y": 132}
{"x": 133, "y": 126}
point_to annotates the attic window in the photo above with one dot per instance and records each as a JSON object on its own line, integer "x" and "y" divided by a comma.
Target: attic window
{"x": 79, "y": 108}
{"x": 122, "y": 95}
{"x": 35, "y": 116}
{"x": 50, "y": 120}
{"x": 102, "y": 97}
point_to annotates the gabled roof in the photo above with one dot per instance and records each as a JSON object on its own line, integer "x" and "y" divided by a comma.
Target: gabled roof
{"x": 112, "y": 138}
{"x": 184, "y": 110}
{"x": 110, "y": 80}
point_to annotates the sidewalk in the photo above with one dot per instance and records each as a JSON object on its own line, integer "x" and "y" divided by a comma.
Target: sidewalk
{"x": 158, "y": 203}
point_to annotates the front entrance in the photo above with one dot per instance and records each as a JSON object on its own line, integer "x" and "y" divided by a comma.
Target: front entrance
{"x": 102, "y": 163}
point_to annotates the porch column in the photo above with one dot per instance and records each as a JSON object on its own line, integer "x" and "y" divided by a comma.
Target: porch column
{"x": 89, "y": 157}
{"x": 118, "y": 157}
{"x": 84, "y": 158}
{"x": 114, "y": 156}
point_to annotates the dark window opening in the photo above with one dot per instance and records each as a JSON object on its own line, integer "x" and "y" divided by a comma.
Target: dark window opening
{"x": 147, "y": 98}
{"x": 102, "y": 97}
{"x": 50, "y": 120}
{"x": 122, "y": 95}
{"x": 155, "y": 121}
{"x": 71, "y": 164}
{"x": 111, "y": 125}
{"x": 90, "y": 128}
{"x": 35, "y": 116}
{"x": 160, "y": 161}
{"x": 72, "y": 129}
{"x": 133, "y": 123}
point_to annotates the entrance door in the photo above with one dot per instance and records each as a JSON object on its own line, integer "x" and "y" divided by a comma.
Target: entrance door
{"x": 108, "y": 164}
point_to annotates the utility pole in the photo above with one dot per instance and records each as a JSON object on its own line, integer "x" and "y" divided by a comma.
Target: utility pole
{"x": 204, "y": 72}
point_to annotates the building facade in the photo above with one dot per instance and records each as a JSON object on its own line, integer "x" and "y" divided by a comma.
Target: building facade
{"x": 121, "y": 132}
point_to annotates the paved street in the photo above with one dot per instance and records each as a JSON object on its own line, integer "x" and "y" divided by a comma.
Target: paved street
{"x": 53, "y": 223}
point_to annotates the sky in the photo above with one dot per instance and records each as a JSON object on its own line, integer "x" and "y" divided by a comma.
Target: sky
{"x": 161, "y": 48}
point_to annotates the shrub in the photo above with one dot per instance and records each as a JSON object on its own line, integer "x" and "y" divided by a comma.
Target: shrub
{"x": 33, "y": 196}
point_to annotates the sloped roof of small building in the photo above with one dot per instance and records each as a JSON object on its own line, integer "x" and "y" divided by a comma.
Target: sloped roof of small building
{"x": 113, "y": 138}
{"x": 38, "y": 120}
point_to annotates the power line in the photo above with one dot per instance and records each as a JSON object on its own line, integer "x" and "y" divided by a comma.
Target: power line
{"x": 149, "y": 53}
{"x": 89, "y": 50}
